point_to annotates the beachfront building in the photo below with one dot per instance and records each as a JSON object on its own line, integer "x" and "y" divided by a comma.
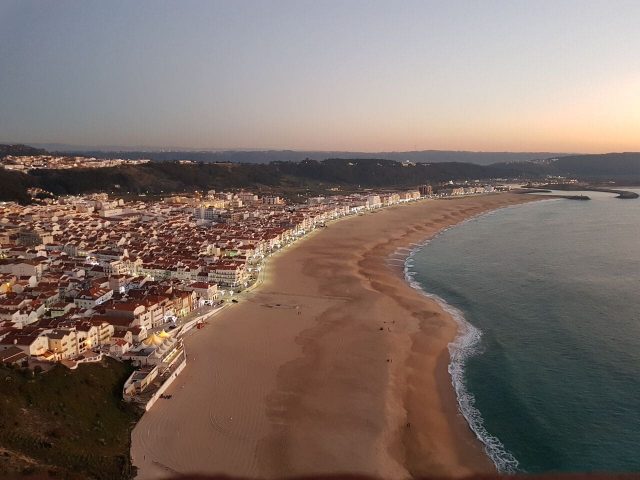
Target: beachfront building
{"x": 227, "y": 274}
{"x": 126, "y": 314}
{"x": 161, "y": 359}
{"x": 450, "y": 191}
{"x": 205, "y": 291}
{"x": 374, "y": 201}
{"x": 156, "y": 349}
{"x": 409, "y": 195}
{"x": 138, "y": 382}
{"x": 389, "y": 199}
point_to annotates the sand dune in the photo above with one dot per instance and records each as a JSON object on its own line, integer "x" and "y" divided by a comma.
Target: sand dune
{"x": 333, "y": 365}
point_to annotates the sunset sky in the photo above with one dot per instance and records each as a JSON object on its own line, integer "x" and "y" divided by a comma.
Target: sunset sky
{"x": 552, "y": 75}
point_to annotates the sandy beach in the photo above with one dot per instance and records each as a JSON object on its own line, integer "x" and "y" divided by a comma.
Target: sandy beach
{"x": 334, "y": 364}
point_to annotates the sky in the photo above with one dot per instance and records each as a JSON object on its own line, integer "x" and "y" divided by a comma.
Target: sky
{"x": 543, "y": 75}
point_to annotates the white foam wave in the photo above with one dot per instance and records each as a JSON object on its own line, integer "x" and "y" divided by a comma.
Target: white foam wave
{"x": 465, "y": 345}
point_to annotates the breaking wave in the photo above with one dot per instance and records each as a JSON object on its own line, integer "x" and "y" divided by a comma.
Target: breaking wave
{"x": 465, "y": 345}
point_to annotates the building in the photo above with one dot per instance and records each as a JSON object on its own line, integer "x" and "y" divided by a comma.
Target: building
{"x": 13, "y": 356}
{"x": 93, "y": 297}
{"x": 272, "y": 200}
{"x": 32, "y": 238}
{"x": 32, "y": 342}
{"x": 203, "y": 290}
{"x": 63, "y": 343}
{"x": 425, "y": 190}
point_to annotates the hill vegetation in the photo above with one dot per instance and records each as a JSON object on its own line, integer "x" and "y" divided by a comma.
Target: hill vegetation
{"x": 613, "y": 165}
{"x": 20, "y": 150}
{"x": 14, "y": 185}
{"x": 69, "y": 424}
{"x": 307, "y": 176}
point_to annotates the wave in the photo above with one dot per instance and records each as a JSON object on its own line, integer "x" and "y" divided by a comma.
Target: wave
{"x": 465, "y": 345}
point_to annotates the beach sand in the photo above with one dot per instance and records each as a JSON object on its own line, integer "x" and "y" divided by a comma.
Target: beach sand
{"x": 334, "y": 364}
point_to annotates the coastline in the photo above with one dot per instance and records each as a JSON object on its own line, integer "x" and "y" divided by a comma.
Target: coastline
{"x": 460, "y": 349}
{"x": 334, "y": 364}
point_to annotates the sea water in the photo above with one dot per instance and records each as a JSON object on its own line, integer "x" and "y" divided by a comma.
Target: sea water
{"x": 547, "y": 364}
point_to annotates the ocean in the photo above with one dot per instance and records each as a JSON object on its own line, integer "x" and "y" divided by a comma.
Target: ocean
{"x": 547, "y": 365}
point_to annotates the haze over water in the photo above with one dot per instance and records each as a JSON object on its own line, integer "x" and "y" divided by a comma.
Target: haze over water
{"x": 553, "y": 288}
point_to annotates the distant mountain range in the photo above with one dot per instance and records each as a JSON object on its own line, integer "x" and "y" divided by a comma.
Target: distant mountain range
{"x": 20, "y": 150}
{"x": 267, "y": 156}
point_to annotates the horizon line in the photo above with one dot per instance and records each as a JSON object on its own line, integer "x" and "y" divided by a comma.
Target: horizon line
{"x": 147, "y": 148}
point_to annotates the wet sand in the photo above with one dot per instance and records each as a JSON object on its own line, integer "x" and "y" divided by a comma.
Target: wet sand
{"x": 334, "y": 364}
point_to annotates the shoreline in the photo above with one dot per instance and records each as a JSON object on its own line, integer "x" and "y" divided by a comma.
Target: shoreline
{"x": 461, "y": 348}
{"x": 334, "y": 364}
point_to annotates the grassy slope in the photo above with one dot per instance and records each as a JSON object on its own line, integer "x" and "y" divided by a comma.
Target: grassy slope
{"x": 70, "y": 422}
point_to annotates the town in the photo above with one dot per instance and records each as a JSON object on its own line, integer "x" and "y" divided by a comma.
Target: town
{"x": 26, "y": 163}
{"x": 91, "y": 276}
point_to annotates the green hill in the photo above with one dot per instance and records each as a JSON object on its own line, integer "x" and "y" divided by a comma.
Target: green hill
{"x": 307, "y": 176}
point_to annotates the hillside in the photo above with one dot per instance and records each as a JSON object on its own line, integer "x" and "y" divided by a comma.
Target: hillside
{"x": 20, "y": 150}
{"x": 13, "y": 186}
{"x": 307, "y": 176}
{"x": 72, "y": 424}
{"x": 606, "y": 165}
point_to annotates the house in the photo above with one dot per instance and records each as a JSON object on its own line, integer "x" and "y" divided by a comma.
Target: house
{"x": 120, "y": 283}
{"x": 155, "y": 309}
{"x": 139, "y": 334}
{"x": 184, "y": 302}
{"x": 142, "y": 356}
{"x": 92, "y": 297}
{"x": 134, "y": 312}
{"x": 27, "y": 268}
{"x": 138, "y": 382}
{"x": 105, "y": 330}
{"x": 114, "y": 267}
{"x": 203, "y": 290}
{"x": 32, "y": 342}
{"x": 119, "y": 347}
{"x": 20, "y": 318}
{"x": 63, "y": 343}
{"x": 228, "y": 274}
{"x": 88, "y": 336}
{"x": 124, "y": 335}
{"x": 13, "y": 356}
{"x": 60, "y": 308}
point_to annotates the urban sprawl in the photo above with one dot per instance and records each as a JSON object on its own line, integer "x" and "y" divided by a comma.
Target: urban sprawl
{"x": 88, "y": 276}
{"x": 61, "y": 162}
